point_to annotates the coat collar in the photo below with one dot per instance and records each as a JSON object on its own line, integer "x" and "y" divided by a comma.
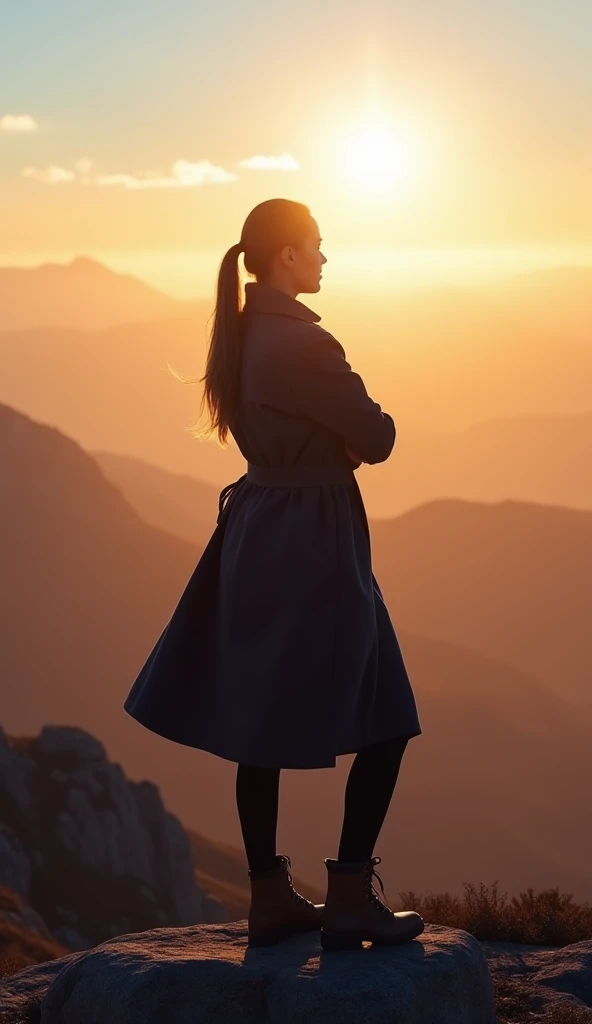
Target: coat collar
{"x": 261, "y": 298}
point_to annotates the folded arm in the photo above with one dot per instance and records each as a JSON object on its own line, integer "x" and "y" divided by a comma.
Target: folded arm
{"x": 324, "y": 387}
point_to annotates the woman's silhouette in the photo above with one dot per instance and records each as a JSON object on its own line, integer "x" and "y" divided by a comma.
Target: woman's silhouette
{"x": 281, "y": 652}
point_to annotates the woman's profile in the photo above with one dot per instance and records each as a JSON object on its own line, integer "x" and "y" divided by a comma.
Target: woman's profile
{"x": 280, "y": 652}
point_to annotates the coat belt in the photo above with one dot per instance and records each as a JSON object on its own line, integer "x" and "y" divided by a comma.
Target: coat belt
{"x": 289, "y": 476}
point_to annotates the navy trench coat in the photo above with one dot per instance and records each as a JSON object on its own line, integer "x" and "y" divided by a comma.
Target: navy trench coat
{"x": 280, "y": 651}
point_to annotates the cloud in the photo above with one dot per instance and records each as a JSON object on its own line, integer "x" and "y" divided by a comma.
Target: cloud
{"x": 18, "y": 123}
{"x": 182, "y": 174}
{"x": 285, "y": 162}
{"x": 50, "y": 176}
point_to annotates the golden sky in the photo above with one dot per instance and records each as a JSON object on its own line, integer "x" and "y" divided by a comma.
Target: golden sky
{"x": 451, "y": 124}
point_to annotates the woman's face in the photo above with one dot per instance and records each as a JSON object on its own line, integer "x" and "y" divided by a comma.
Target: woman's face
{"x": 304, "y": 263}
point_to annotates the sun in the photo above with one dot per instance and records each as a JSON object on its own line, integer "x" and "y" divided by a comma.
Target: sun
{"x": 378, "y": 159}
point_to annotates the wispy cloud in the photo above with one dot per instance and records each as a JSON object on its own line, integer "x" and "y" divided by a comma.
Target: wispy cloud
{"x": 285, "y": 162}
{"x": 18, "y": 123}
{"x": 182, "y": 174}
{"x": 50, "y": 176}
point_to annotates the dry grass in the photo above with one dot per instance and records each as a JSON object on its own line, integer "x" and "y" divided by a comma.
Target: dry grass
{"x": 20, "y": 947}
{"x": 546, "y": 918}
{"x": 10, "y": 900}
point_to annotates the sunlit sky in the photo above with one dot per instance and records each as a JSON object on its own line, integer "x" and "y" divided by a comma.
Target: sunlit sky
{"x": 129, "y": 131}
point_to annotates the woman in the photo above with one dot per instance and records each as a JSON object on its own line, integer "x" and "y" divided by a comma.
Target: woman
{"x": 281, "y": 652}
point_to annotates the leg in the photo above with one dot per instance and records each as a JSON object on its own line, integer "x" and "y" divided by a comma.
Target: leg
{"x": 370, "y": 785}
{"x": 257, "y": 794}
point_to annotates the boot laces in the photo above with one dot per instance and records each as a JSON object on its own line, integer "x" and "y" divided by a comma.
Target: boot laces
{"x": 293, "y": 892}
{"x": 371, "y": 892}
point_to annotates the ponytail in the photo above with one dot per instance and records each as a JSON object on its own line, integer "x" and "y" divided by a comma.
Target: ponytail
{"x": 221, "y": 378}
{"x": 269, "y": 226}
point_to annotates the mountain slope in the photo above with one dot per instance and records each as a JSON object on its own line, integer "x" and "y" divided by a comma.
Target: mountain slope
{"x": 83, "y": 293}
{"x": 514, "y": 361}
{"x": 511, "y": 580}
{"x": 173, "y": 502}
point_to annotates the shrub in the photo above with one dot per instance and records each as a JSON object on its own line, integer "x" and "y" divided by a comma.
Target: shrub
{"x": 547, "y": 918}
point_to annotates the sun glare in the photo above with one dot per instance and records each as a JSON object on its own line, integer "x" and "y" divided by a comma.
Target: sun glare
{"x": 378, "y": 160}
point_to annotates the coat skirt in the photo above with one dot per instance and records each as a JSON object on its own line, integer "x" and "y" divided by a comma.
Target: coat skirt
{"x": 281, "y": 651}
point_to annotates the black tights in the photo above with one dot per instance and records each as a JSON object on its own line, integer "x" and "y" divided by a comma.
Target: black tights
{"x": 370, "y": 785}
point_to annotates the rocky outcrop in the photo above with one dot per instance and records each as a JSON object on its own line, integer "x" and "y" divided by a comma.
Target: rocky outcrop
{"x": 92, "y": 853}
{"x": 207, "y": 974}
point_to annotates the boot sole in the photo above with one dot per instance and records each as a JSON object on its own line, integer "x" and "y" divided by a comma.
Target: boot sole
{"x": 353, "y": 940}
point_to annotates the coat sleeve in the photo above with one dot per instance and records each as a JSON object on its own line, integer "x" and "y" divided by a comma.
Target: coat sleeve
{"x": 324, "y": 387}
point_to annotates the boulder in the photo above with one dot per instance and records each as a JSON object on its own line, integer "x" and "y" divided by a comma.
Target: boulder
{"x": 206, "y": 973}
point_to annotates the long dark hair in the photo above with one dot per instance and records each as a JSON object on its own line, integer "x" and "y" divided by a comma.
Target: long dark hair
{"x": 268, "y": 228}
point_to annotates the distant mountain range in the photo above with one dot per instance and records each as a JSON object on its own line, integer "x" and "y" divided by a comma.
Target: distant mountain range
{"x": 87, "y": 586}
{"x": 87, "y": 294}
{"x": 83, "y": 293}
{"x": 538, "y": 459}
{"x": 490, "y": 389}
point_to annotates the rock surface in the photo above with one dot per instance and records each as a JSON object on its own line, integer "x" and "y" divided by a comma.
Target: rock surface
{"x": 92, "y": 853}
{"x": 544, "y": 976}
{"x": 206, "y": 973}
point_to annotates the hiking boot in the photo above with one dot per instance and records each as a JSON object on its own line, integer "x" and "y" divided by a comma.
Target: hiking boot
{"x": 277, "y": 910}
{"x": 355, "y": 913}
